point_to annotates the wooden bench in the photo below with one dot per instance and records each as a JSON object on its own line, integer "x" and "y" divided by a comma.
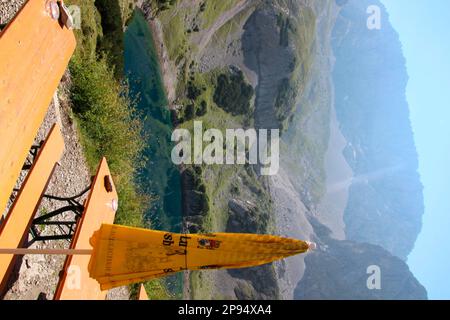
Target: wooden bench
{"x": 100, "y": 207}
{"x": 34, "y": 53}
{"x": 15, "y": 228}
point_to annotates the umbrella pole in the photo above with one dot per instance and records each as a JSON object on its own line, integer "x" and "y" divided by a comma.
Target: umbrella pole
{"x": 67, "y": 252}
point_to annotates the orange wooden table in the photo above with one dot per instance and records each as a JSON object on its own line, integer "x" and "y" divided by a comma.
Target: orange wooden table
{"x": 34, "y": 52}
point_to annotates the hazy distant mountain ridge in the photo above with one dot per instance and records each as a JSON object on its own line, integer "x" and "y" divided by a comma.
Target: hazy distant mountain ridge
{"x": 385, "y": 204}
{"x": 339, "y": 271}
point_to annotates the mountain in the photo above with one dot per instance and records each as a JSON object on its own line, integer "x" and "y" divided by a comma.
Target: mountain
{"x": 385, "y": 205}
{"x": 339, "y": 270}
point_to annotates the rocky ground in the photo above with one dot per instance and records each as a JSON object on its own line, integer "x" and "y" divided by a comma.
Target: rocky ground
{"x": 8, "y": 9}
{"x": 36, "y": 277}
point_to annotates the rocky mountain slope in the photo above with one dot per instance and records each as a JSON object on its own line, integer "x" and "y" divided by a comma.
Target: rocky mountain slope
{"x": 340, "y": 270}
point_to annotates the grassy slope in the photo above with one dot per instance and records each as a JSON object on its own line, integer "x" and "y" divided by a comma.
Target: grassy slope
{"x": 218, "y": 119}
{"x": 175, "y": 36}
{"x": 106, "y": 116}
{"x": 298, "y": 30}
{"x": 180, "y": 24}
{"x": 214, "y": 9}
{"x": 232, "y": 26}
{"x": 220, "y": 180}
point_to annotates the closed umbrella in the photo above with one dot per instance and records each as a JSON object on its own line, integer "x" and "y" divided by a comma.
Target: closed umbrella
{"x": 124, "y": 255}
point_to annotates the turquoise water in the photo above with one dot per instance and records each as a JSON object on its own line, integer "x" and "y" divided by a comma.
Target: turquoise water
{"x": 160, "y": 178}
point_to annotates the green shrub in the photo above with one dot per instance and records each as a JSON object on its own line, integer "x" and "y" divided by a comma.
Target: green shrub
{"x": 193, "y": 92}
{"x": 202, "y": 109}
{"x": 189, "y": 112}
{"x": 110, "y": 128}
{"x": 233, "y": 94}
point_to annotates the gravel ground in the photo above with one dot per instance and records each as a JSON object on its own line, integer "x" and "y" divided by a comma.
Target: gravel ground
{"x": 36, "y": 277}
{"x": 8, "y": 9}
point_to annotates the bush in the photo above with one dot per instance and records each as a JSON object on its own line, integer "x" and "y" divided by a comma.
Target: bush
{"x": 192, "y": 175}
{"x": 192, "y": 91}
{"x": 233, "y": 94}
{"x": 189, "y": 112}
{"x": 110, "y": 128}
{"x": 202, "y": 109}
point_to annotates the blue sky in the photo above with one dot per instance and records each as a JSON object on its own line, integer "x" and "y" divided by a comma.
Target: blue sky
{"x": 424, "y": 29}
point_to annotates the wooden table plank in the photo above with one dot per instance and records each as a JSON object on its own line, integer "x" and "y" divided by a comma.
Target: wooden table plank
{"x": 15, "y": 228}
{"x": 34, "y": 53}
{"x": 75, "y": 283}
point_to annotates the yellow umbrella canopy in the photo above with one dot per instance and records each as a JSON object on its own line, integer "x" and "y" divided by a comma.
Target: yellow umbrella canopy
{"x": 123, "y": 255}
